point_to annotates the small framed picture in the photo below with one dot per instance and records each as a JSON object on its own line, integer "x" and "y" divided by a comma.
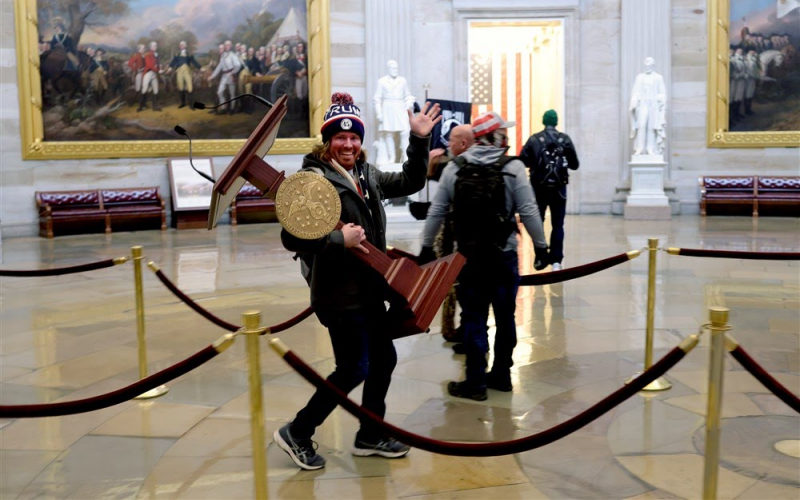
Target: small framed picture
{"x": 190, "y": 190}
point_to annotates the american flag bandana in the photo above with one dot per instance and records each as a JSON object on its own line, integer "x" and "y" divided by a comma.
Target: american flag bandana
{"x": 361, "y": 182}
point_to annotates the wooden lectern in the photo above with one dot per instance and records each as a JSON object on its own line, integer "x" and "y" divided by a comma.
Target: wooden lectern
{"x": 422, "y": 287}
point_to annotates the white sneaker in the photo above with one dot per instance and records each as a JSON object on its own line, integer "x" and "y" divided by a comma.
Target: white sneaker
{"x": 556, "y": 266}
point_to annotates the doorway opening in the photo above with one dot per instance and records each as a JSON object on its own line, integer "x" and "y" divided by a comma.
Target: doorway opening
{"x": 516, "y": 68}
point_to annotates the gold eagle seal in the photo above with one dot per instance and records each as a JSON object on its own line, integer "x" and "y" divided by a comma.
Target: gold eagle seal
{"x": 307, "y": 205}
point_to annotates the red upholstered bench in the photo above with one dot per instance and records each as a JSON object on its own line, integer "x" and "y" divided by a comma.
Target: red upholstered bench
{"x": 133, "y": 208}
{"x": 250, "y": 205}
{"x": 728, "y": 195}
{"x": 69, "y": 212}
{"x": 778, "y": 195}
{"x": 98, "y": 210}
{"x": 750, "y": 194}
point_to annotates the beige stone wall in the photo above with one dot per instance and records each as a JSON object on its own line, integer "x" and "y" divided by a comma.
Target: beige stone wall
{"x": 596, "y": 131}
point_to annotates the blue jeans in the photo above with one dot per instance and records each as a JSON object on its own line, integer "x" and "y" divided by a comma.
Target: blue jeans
{"x": 556, "y": 199}
{"x": 480, "y": 285}
{"x": 364, "y": 352}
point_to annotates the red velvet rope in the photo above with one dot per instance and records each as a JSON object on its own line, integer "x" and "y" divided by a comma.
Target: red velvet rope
{"x": 221, "y": 322}
{"x": 499, "y": 448}
{"x": 571, "y": 273}
{"x": 57, "y": 271}
{"x": 194, "y": 305}
{"x": 735, "y": 254}
{"x": 290, "y": 322}
{"x": 110, "y": 398}
{"x": 749, "y": 364}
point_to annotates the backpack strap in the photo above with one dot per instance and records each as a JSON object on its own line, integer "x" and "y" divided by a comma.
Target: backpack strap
{"x": 505, "y": 159}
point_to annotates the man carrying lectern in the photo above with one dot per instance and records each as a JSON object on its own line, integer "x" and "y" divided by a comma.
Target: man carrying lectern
{"x": 347, "y": 296}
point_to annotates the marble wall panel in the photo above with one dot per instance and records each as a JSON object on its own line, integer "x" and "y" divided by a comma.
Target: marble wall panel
{"x": 689, "y": 118}
{"x": 690, "y": 73}
{"x": 8, "y": 33}
{"x": 347, "y": 27}
{"x": 347, "y": 72}
{"x": 436, "y": 11}
{"x": 599, "y": 54}
{"x": 600, "y": 9}
{"x": 350, "y": 6}
{"x": 348, "y": 50}
{"x": 433, "y": 42}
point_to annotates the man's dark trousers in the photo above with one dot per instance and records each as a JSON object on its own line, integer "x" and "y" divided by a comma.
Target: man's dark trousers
{"x": 481, "y": 284}
{"x": 556, "y": 199}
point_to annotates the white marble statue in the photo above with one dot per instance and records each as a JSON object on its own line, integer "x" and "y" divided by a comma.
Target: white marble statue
{"x": 648, "y": 112}
{"x": 392, "y": 102}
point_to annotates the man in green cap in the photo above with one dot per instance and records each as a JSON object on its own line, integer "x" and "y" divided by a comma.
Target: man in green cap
{"x": 550, "y": 155}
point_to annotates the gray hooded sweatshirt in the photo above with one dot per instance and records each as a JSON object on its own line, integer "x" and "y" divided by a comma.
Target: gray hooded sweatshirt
{"x": 519, "y": 196}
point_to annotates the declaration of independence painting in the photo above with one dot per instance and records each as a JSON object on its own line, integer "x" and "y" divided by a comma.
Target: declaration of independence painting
{"x": 764, "y": 66}
{"x": 130, "y": 70}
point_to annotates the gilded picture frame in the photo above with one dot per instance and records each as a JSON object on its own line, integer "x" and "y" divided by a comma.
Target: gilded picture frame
{"x": 37, "y": 145}
{"x": 723, "y": 39}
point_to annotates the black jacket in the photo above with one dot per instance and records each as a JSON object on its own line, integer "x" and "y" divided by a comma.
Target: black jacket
{"x": 532, "y": 151}
{"x": 338, "y": 279}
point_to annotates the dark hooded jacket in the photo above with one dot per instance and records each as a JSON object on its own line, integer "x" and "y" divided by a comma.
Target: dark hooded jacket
{"x": 339, "y": 280}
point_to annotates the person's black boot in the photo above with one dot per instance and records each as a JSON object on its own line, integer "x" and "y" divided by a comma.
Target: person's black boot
{"x": 156, "y": 107}
{"x": 142, "y": 100}
{"x": 183, "y": 99}
{"x": 464, "y": 390}
{"x": 499, "y": 380}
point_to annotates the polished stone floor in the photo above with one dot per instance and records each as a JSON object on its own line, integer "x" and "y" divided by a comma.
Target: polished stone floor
{"x": 75, "y": 336}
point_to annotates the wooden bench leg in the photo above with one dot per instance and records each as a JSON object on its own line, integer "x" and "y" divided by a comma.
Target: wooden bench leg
{"x": 108, "y": 224}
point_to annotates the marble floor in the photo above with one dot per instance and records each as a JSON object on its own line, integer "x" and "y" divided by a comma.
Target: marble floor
{"x": 69, "y": 337}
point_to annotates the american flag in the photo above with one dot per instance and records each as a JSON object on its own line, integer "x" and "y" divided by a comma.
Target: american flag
{"x": 504, "y": 82}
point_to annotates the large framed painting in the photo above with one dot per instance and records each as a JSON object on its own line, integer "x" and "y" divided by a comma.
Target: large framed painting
{"x": 113, "y": 78}
{"x": 753, "y": 73}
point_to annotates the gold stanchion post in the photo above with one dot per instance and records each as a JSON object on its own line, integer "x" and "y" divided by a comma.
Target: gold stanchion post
{"x": 252, "y": 331}
{"x": 661, "y": 383}
{"x": 136, "y": 253}
{"x": 716, "y": 367}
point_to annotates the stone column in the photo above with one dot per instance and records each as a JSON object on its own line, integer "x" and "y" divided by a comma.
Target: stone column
{"x": 645, "y": 31}
{"x": 388, "y": 36}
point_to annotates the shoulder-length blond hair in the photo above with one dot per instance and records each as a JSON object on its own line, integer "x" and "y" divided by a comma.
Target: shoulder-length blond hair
{"x": 323, "y": 152}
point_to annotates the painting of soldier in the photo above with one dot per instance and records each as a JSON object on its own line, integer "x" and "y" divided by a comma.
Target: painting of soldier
{"x": 764, "y": 67}
{"x": 124, "y": 70}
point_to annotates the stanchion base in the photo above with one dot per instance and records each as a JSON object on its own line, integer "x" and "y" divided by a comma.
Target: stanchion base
{"x": 659, "y": 384}
{"x": 154, "y": 393}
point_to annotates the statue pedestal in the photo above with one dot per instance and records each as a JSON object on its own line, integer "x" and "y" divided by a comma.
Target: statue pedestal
{"x": 647, "y": 200}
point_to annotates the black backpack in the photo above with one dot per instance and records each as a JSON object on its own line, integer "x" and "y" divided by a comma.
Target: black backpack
{"x": 481, "y": 223}
{"x": 551, "y": 170}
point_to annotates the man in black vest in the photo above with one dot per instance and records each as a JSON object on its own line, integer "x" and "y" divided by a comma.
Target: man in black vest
{"x": 550, "y": 155}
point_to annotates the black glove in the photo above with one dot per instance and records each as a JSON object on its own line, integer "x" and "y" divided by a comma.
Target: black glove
{"x": 542, "y": 258}
{"x": 426, "y": 255}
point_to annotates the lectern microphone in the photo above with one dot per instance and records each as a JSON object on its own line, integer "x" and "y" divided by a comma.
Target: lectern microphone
{"x": 182, "y": 131}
